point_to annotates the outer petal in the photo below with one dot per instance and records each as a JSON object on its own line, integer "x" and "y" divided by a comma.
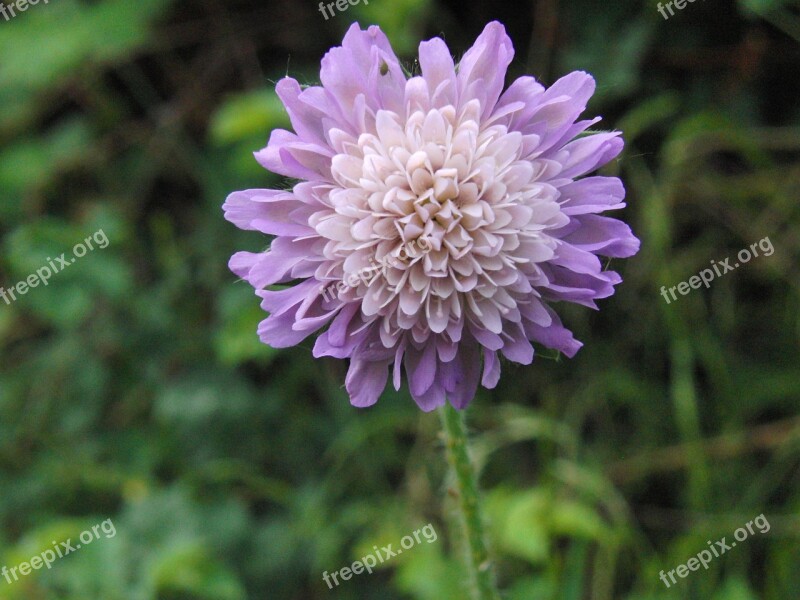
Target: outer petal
{"x": 276, "y": 331}
{"x": 566, "y": 99}
{"x": 365, "y": 381}
{"x": 364, "y": 65}
{"x": 305, "y": 117}
{"x": 264, "y": 269}
{"x": 439, "y": 72}
{"x": 592, "y": 195}
{"x": 278, "y": 302}
{"x": 295, "y": 313}
{"x": 569, "y": 286}
{"x": 268, "y": 211}
{"x": 588, "y": 153}
{"x": 433, "y": 398}
{"x": 461, "y": 375}
{"x": 525, "y": 91}
{"x": 517, "y": 348}
{"x": 491, "y": 369}
{"x": 603, "y": 235}
{"x": 484, "y": 66}
{"x": 326, "y": 345}
{"x": 291, "y": 156}
{"x": 421, "y": 367}
{"x": 554, "y": 335}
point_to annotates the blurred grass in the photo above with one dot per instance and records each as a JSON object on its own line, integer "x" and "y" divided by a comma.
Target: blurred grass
{"x": 133, "y": 386}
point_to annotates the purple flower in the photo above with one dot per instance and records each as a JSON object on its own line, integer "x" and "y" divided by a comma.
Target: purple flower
{"x": 464, "y": 204}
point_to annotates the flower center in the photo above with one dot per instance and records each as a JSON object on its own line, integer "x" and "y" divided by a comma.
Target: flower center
{"x": 447, "y": 208}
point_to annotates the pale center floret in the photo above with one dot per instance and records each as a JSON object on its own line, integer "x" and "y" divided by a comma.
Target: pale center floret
{"x": 449, "y": 211}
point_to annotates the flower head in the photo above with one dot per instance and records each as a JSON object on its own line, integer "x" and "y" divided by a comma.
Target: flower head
{"x": 436, "y": 218}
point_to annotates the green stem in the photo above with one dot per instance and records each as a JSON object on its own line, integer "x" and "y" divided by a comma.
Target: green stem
{"x": 477, "y": 556}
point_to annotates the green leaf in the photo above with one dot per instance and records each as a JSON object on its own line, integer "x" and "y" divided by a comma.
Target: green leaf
{"x": 236, "y": 339}
{"x": 247, "y": 115}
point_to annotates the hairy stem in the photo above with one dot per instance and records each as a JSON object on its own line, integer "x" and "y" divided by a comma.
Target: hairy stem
{"x": 482, "y": 581}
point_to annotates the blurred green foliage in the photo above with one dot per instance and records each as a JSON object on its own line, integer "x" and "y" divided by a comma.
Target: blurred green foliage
{"x": 133, "y": 385}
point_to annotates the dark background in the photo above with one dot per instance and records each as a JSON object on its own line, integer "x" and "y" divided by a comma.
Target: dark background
{"x": 133, "y": 386}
